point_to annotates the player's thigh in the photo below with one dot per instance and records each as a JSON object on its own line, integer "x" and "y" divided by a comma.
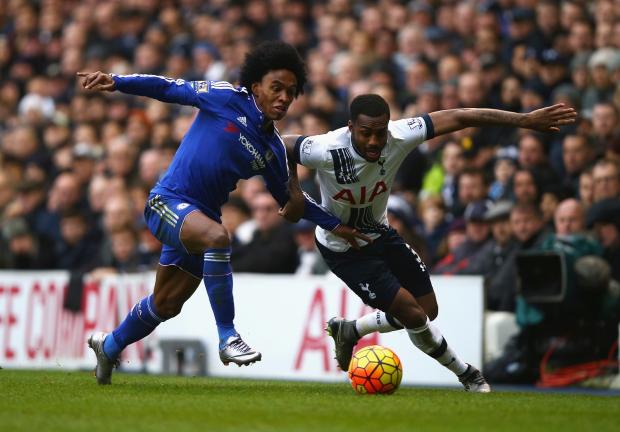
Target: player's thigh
{"x": 173, "y": 287}
{"x": 199, "y": 232}
{"x": 166, "y": 217}
{"x": 366, "y": 274}
{"x": 413, "y": 275}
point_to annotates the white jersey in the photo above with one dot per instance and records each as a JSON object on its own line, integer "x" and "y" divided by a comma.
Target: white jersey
{"x": 353, "y": 189}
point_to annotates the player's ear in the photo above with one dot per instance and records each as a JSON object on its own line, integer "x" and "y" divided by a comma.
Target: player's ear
{"x": 350, "y": 124}
{"x": 255, "y": 88}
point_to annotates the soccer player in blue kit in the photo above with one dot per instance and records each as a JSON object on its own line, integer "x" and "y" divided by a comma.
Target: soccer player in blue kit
{"x": 233, "y": 137}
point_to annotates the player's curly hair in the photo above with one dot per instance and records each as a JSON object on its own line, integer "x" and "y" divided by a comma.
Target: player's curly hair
{"x": 371, "y": 105}
{"x": 272, "y": 55}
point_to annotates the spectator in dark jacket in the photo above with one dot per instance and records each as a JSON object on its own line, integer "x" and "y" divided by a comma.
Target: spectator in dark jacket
{"x": 272, "y": 248}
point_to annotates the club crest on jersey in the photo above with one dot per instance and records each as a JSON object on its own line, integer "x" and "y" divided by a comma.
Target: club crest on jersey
{"x": 348, "y": 195}
{"x": 259, "y": 162}
{"x": 414, "y": 123}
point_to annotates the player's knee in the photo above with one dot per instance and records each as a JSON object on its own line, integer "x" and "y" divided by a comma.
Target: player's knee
{"x": 432, "y": 312}
{"x": 411, "y": 315}
{"x": 219, "y": 239}
{"x": 167, "y": 307}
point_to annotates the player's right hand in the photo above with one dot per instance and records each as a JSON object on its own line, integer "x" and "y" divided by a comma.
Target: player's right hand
{"x": 351, "y": 235}
{"x": 97, "y": 81}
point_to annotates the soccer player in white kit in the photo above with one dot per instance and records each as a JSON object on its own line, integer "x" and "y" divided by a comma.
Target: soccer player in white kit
{"x": 356, "y": 166}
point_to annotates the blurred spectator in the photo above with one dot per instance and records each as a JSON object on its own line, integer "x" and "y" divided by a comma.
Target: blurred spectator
{"x": 22, "y": 249}
{"x": 496, "y": 260}
{"x": 310, "y": 260}
{"x": 272, "y": 248}
{"x": 434, "y": 225}
{"x": 472, "y": 187}
{"x": 577, "y": 154}
{"x": 604, "y": 217}
{"x": 462, "y": 258}
{"x": 76, "y": 250}
{"x": 605, "y": 180}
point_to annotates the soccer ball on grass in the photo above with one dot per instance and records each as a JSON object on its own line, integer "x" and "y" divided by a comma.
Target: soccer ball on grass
{"x": 375, "y": 369}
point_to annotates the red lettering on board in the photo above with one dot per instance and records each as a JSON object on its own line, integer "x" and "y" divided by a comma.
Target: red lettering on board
{"x": 311, "y": 342}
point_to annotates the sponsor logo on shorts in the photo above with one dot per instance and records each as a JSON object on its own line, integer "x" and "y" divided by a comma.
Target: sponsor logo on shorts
{"x": 182, "y": 206}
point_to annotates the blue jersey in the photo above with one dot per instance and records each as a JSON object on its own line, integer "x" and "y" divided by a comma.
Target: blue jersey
{"x": 225, "y": 143}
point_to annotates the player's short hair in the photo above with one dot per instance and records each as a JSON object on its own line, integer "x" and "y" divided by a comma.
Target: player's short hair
{"x": 371, "y": 105}
{"x": 269, "y": 56}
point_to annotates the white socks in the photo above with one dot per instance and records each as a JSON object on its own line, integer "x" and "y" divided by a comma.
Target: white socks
{"x": 376, "y": 321}
{"x": 429, "y": 339}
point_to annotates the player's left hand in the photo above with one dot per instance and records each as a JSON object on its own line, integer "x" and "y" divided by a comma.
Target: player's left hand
{"x": 351, "y": 235}
{"x": 295, "y": 208}
{"x": 549, "y": 119}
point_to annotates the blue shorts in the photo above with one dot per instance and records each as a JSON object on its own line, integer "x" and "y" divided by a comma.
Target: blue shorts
{"x": 164, "y": 216}
{"x": 377, "y": 271}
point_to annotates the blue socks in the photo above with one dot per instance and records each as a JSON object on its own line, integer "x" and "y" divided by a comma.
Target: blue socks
{"x": 139, "y": 323}
{"x": 217, "y": 275}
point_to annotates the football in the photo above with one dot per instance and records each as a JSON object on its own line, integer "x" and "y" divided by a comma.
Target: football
{"x": 375, "y": 369}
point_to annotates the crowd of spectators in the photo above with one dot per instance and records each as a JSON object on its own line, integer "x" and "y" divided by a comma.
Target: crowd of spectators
{"x": 76, "y": 167}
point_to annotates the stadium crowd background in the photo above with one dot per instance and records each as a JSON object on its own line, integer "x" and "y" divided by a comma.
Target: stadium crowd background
{"x": 76, "y": 167}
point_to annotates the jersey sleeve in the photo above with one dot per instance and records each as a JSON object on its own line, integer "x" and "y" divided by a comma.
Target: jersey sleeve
{"x": 200, "y": 94}
{"x": 311, "y": 151}
{"x": 412, "y": 132}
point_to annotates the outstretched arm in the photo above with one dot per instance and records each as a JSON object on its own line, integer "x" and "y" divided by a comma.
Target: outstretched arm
{"x": 548, "y": 119}
{"x": 156, "y": 87}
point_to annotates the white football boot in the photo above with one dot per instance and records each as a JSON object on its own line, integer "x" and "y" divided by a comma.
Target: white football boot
{"x": 238, "y": 352}
{"x": 104, "y": 368}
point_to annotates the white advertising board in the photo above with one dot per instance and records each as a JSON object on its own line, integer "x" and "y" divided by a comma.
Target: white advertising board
{"x": 282, "y": 316}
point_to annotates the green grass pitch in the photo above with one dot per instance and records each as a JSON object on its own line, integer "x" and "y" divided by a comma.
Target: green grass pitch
{"x": 71, "y": 401}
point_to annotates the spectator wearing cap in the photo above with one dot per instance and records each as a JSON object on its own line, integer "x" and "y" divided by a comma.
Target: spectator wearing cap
{"x": 604, "y": 217}
{"x": 496, "y": 261}
{"x": 603, "y": 64}
{"x": 438, "y": 43}
{"x": 553, "y": 71}
{"x": 310, "y": 260}
{"x": 23, "y": 249}
{"x": 477, "y": 231}
{"x": 522, "y": 31}
{"x": 84, "y": 162}
{"x": 605, "y": 180}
